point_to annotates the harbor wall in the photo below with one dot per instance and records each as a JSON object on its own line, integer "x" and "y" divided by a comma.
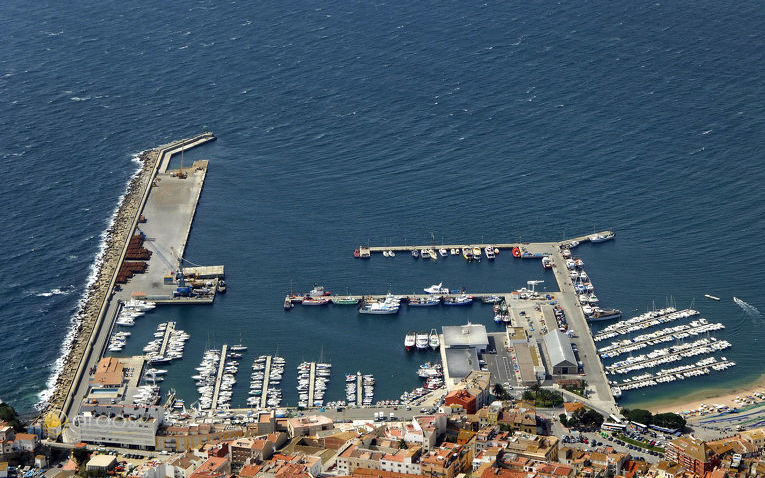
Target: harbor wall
{"x": 90, "y": 316}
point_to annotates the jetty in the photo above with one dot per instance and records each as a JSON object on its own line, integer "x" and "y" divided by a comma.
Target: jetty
{"x": 359, "y": 389}
{"x": 533, "y": 249}
{"x": 166, "y": 339}
{"x": 311, "y": 384}
{"x": 219, "y": 378}
{"x": 266, "y": 380}
{"x": 162, "y": 202}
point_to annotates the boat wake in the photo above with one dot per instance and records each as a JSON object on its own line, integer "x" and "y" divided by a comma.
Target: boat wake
{"x": 55, "y": 291}
{"x": 76, "y": 319}
{"x": 748, "y": 309}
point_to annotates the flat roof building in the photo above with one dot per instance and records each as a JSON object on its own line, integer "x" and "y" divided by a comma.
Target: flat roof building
{"x": 465, "y": 336}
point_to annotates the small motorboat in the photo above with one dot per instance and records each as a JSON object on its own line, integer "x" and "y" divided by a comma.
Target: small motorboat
{"x": 467, "y": 253}
{"x": 476, "y": 251}
{"x": 436, "y": 289}
{"x": 490, "y": 253}
{"x": 385, "y": 253}
{"x": 415, "y": 253}
{"x": 455, "y": 252}
{"x": 434, "y": 341}
{"x": 516, "y": 251}
{"x": 391, "y": 253}
{"x": 443, "y": 252}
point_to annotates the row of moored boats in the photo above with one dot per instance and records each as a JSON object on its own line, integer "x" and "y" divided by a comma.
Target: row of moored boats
{"x": 422, "y": 340}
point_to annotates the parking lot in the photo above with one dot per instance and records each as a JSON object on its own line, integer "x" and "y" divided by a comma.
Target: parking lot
{"x": 499, "y": 363}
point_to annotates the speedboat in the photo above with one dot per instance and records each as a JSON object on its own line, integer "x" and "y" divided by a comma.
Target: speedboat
{"x": 434, "y": 341}
{"x": 385, "y": 253}
{"x": 410, "y": 340}
{"x": 436, "y": 289}
{"x": 422, "y": 340}
{"x": 391, "y": 253}
{"x": 490, "y": 253}
{"x": 596, "y": 238}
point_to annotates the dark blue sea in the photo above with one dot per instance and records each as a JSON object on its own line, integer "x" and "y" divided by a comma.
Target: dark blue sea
{"x": 347, "y": 122}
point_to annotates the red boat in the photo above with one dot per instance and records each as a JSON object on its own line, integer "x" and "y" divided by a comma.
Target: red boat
{"x": 356, "y": 254}
{"x": 516, "y": 251}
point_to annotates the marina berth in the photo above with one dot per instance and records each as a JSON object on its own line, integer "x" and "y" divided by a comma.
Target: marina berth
{"x": 644, "y": 321}
{"x": 669, "y": 354}
{"x": 702, "y": 367}
{"x": 669, "y": 334}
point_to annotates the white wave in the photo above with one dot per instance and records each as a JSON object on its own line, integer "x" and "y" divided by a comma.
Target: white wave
{"x": 55, "y": 291}
{"x": 748, "y": 309}
{"x": 76, "y": 319}
{"x": 706, "y": 132}
{"x": 80, "y": 98}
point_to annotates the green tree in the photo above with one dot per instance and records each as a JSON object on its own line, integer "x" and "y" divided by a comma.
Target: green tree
{"x": 638, "y": 415}
{"x": 402, "y": 444}
{"x": 80, "y": 455}
{"x": 499, "y": 391}
{"x": 563, "y": 419}
{"x": 669, "y": 420}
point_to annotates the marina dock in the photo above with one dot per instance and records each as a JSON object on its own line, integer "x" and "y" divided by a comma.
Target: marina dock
{"x": 359, "y": 389}
{"x": 266, "y": 380}
{"x": 219, "y": 378}
{"x": 168, "y": 331}
{"x": 312, "y": 384}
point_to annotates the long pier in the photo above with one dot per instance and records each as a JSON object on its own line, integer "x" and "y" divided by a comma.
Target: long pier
{"x": 530, "y": 246}
{"x": 266, "y": 380}
{"x": 219, "y": 378}
{"x": 359, "y": 390}
{"x": 311, "y": 383}
{"x": 98, "y": 311}
{"x": 166, "y": 339}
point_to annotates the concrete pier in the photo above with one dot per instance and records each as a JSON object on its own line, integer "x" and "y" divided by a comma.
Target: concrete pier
{"x": 311, "y": 383}
{"x": 99, "y": 310}
{"x": 528, "y": 246}
{"x": 219, "y": 378}
{"x": 266, "y": 380}
{"x": 359, "y": 389}
{"x": 168, "y": 331}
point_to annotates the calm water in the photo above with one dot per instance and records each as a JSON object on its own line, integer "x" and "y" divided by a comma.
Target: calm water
{"x": 349, "y": 122}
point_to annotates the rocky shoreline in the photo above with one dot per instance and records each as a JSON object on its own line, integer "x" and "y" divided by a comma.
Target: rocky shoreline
{"x": 86, "y": 317}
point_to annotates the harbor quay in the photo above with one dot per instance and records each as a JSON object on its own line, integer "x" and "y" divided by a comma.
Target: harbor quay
{"x": 103, "y": 298}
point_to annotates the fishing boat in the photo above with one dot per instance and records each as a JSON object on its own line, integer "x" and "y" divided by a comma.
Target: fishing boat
{"x": 315, "y": 301}
{"x": 410, "y": 340}
{"x": 318, "y": 291}
{"x": 596, "y": 238}
{"x": 461, "y": 299}
{"x": 491, "y": 299}
{"x": 490, "y": 253}
{"x": 348, "y": 300}
{"x": 423, "y": 301}
{"x": 599, "y": 314}
{"x": 436, "y": 289}
{"x": 379, "y": 308}
{"x": 422, "y": 340}
{"x": 434, "y": 341}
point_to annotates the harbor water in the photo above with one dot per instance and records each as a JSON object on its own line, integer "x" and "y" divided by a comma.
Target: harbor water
{"x": 346, "y": 123}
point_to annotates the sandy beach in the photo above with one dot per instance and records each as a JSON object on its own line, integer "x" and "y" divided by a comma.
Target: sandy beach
{"x": 710, "y": 396}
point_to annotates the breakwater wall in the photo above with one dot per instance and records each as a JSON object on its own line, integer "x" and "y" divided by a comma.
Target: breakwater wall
{"x": 89, "y": 317}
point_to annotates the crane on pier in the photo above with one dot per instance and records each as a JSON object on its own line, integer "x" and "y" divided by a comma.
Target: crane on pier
{"x": 533, "y": 283}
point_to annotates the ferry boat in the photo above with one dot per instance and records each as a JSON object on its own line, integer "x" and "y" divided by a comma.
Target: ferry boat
{"x": 434, "y": 341}
{"x": 409, "y": 340}
{"x": 436, "y": 289}
{"x": 422, "y": 340}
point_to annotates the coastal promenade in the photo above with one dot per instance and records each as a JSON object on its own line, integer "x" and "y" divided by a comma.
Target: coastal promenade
{"x": 91, "y": 332}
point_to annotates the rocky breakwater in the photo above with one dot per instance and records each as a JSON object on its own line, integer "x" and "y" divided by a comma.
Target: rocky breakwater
{"x": 107, "y": 264}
